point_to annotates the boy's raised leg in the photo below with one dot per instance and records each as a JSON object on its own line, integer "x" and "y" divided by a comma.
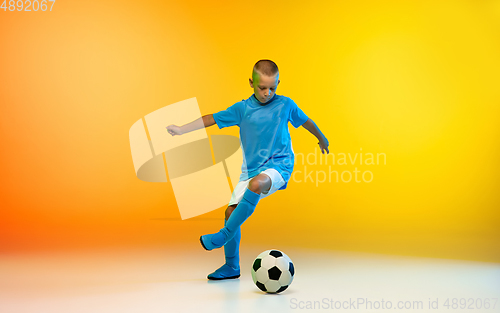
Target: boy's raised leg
{"x": 242, "y": 211}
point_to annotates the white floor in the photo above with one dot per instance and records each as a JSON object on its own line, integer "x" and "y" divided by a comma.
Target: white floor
{"x": 174, "y": 280}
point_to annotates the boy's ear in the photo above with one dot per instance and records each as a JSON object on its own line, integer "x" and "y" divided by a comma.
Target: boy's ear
{"x": 251, "y": 82}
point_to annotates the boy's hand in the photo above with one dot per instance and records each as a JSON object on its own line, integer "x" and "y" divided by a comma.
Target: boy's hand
{"x": 323, "y": 145}
{"x": 174, "y": 130}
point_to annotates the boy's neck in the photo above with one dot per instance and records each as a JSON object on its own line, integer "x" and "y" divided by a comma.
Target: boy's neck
{"x": 257, "y": 100}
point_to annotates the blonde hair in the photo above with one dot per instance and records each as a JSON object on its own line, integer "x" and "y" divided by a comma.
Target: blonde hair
{"x": 265, "y": 67}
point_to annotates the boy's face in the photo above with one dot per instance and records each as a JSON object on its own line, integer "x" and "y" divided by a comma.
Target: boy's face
{"x": 264, "y": 86}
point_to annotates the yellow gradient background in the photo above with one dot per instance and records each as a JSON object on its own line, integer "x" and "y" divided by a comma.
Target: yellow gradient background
{"x": 415, "y": 80}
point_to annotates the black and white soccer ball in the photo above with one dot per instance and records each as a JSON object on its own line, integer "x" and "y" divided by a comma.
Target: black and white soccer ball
{"x": 272, "y": 271}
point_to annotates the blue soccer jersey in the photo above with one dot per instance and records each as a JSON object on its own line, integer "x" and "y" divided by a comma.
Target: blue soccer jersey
{"x": 265, "y": 139}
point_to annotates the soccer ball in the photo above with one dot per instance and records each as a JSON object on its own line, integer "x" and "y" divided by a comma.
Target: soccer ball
{"x": 272, "y": 271}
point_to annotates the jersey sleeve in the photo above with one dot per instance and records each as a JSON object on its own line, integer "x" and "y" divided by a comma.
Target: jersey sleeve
{"x": 230, "y": 116}
{"x": 297, "y": 116}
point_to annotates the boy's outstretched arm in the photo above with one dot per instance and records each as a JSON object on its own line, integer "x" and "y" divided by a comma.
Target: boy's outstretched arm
{"x": 313, "y": 129}
{"x": 204, "y": 121}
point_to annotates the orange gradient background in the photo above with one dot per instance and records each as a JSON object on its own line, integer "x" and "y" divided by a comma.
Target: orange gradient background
{"x": 416, "y": 80}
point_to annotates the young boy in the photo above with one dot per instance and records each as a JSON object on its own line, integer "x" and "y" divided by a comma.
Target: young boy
{"x": 268, "y": 157}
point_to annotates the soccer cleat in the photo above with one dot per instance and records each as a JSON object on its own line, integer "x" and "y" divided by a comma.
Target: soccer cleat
{"x": 224, "y": 272}
{"x": 207, "y": 241}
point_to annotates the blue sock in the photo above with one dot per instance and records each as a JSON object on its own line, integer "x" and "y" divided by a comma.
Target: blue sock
{"x": 232, "y": 249}
{"x": 240, "y": 214}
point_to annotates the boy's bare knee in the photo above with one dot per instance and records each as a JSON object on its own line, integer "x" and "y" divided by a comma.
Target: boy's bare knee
{"x": 255, "y": 185}
{"x": 260, "y": 183}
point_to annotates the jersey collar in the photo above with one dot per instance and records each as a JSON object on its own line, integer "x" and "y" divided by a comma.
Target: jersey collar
{"x": 255, "y": 101}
